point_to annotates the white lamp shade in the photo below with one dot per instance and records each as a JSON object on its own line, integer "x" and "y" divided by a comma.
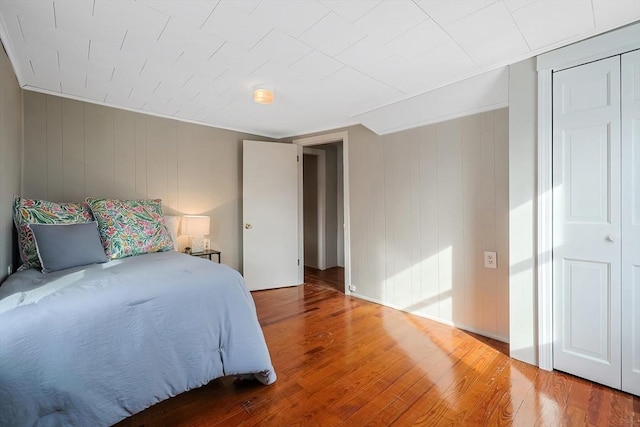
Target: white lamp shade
{"x": 195, "y": 225}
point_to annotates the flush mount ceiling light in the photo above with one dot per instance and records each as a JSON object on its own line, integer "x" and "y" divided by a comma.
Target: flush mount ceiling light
{"x": 263, "y": 96}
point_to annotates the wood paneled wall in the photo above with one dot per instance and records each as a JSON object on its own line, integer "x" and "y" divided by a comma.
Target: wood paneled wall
{"x": 10, "y": 158}
{"x": 74, "y": 150}
{"x": 425, "y": 205}
{"x": 523, "y": 194}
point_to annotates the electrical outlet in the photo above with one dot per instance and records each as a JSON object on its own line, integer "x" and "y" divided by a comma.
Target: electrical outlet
{"x": 9, "y": 270}
{"x": 206, "y": 244}
{"x": 490, "y": 260}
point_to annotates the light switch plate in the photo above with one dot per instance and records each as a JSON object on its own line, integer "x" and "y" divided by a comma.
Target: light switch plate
{"x": 490, "y": 260}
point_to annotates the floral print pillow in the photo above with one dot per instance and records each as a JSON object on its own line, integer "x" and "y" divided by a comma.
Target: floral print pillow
{"x": 130, "y": 227}
{"x": 33, "y": 211}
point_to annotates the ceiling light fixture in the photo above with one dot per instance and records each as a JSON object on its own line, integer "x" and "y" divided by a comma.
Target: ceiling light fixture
{"x": 263, "y": 96}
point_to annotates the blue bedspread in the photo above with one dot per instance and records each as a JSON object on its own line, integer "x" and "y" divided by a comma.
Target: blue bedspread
{"x": 94, "y": 345}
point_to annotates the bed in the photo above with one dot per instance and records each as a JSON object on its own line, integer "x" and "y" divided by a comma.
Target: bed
{"x": 94, "y": 344}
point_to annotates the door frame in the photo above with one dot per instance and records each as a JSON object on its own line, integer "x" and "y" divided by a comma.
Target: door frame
{"x": 342, "y": 136}
{"x": 321, "y": 193}
{"x": 613, "y": 43}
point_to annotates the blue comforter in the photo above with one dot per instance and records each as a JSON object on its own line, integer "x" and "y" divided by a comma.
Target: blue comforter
{"x": 94, "y": 345}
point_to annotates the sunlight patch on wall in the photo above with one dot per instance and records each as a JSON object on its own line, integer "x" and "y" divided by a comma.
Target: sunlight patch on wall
{"x": 435, "y": 284}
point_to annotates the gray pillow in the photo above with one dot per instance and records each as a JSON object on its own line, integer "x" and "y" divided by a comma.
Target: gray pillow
{"x": 63, "y": 246}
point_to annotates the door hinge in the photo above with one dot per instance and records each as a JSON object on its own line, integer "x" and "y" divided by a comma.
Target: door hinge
{"x": 298, "y": 262}
{"x": 297, "y": 158}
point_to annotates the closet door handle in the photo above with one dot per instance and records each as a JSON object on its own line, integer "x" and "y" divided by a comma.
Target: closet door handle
{"x": 613, "y": 237}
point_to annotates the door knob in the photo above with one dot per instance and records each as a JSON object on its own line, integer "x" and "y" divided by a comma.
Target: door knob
{"x": 613, "y": 237}
{"x": 247, "y": 226}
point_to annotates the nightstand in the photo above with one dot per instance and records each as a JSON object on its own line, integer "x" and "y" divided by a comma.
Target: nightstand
{"x": 208, "y": 254}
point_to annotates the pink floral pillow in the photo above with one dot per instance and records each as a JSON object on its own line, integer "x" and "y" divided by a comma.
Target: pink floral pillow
{"x": 33, "y": 211}
{"x": 130, "y": 227}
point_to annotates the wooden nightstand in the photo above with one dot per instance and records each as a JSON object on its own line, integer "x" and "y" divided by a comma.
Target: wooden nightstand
{"x": 208, "y": 254}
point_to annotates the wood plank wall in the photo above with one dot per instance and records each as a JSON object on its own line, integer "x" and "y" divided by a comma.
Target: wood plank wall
{"x": 425, "y": 205}
{"x": 74, "y": 150}
{"x": 10, "y": 159}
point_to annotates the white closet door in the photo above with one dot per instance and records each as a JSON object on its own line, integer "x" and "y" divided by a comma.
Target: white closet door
{"x": 631, "y": 222}
{"x": 586, "y": 222}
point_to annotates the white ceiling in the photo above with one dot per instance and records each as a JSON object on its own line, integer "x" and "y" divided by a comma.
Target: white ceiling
{"x": 331, "y": 63}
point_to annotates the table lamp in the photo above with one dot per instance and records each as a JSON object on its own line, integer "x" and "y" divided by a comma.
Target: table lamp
{"x": 196, "y": 227}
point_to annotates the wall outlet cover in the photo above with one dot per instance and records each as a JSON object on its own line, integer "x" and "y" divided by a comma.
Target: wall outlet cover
{"x": 490, "y": 260}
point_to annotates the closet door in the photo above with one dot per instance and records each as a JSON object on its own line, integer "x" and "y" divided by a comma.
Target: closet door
{"x": 586, "y": 221}
{"x": 631, "y": 222}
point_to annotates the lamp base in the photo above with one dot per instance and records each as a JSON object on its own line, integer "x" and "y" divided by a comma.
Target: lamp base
{"x": 198, "y": 244}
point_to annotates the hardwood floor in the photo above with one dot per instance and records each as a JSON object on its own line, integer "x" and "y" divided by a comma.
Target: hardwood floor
{"x": 344, "y": 361}
{"x": 331, "y": 277}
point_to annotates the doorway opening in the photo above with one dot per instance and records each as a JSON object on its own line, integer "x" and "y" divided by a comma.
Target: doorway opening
{"x": 323, "y": 215}
{"x": 344, "y": 236}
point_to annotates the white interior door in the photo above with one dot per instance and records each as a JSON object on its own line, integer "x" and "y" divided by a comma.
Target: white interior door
{"x": 631, "y": 222}
{"x": 270, "y": 214}
{"x": 586, "y": 221}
